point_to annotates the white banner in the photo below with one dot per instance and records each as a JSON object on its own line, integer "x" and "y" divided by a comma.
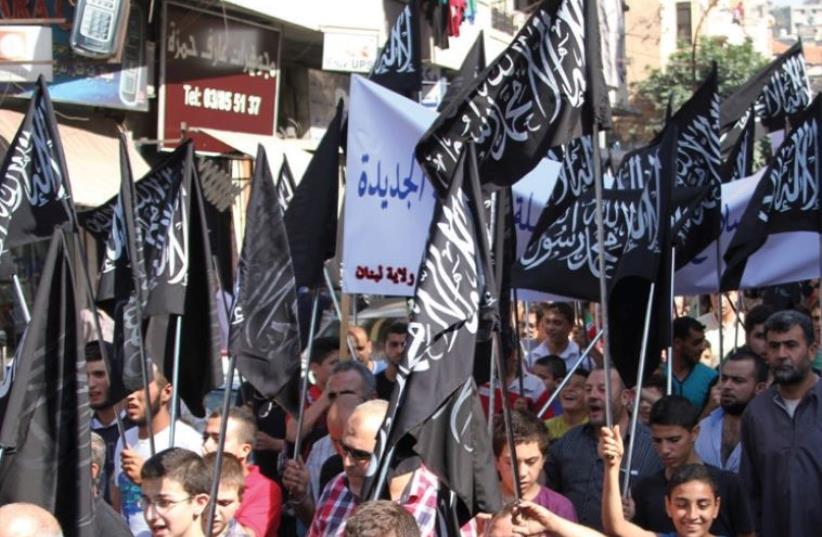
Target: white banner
{"x": 388, "y": 201}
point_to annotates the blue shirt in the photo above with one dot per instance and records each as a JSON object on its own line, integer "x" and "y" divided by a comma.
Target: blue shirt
{"x": 695, "y": 387}
{"x": 709, "y": 443}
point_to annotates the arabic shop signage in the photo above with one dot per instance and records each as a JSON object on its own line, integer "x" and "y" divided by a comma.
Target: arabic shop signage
{"x": 217, "y": 73}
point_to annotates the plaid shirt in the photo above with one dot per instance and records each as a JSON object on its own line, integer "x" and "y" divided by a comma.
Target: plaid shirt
{"x": 337, "y": 503}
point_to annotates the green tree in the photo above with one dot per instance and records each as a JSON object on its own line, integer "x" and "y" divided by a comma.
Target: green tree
{"x": 676, "y": 82}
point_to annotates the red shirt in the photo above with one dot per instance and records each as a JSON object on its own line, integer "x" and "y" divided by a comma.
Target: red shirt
{"x": 262, "y": 504}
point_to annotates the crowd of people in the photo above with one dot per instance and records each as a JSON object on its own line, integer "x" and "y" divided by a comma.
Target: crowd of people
{"x": 732, "y": 450}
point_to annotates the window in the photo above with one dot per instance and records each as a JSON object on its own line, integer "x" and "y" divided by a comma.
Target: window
{"x": 683, "y": 23}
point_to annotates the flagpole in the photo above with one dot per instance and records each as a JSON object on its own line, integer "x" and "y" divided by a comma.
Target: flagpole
{"x": 637, "y": 390}
{"x": 492, "y": 395}
{"x": 528, "y": 354}
{"x": 719, "y": 298}
{"x": 520, "y": 371}
{"x": 175, "y": 379}
{"x": 312, "y": 325}
{"x": 603, "y": 287}
{"x": 330, "y": 285}
{"x": 568, "y": 375}
{"x": 24, "y": 307}
{"x": 669, "y": 388}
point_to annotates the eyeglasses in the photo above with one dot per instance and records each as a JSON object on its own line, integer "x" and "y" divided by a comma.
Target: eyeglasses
{"x": 356, "y": 454}
{"x": 161, "y": 505}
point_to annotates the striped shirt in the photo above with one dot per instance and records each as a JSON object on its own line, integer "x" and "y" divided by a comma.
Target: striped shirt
{"x": 575, "y": 470}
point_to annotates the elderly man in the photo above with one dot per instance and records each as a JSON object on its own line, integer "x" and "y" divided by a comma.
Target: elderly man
{"x": 782, "y": 434}
{"x": 416, "y": 491}
{"x": 107, "y": 523}
{"x": 574, "y": 467}
{"x": 261, "y": 506}
{"x": 27, "y": 520}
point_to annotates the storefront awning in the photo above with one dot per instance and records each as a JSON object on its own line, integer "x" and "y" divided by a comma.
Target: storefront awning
{"x": 92, "y": 157}
{"x": 296, "y": 151}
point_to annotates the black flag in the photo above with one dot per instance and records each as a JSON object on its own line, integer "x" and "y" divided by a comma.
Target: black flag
{"x": 434, "y": 413}
{"x": 780, "y": 90}
{"x": 544, "y": 90}
{"x": 285, "y": 185}
{"x": 739, "y": 161}
{"x": 311, "y": 218}
{"x": 33, "y": 177}
{"x": 696, "y": 226}
{"x": 645, "y": 259}
{"x": 472, "y": 66}
{"x": 44, "y": 406}
{"x": 399, "y": 66}
{"x": 786, "y": 198}
{"x": 264, "y": 332}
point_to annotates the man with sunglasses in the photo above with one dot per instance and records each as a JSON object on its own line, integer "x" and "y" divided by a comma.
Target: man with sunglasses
{"x": 416, "y": 491}
{"x": 393, "y": 347}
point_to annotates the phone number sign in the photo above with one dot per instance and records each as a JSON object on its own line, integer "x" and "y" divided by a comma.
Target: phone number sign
{"x": 217, "y": 73}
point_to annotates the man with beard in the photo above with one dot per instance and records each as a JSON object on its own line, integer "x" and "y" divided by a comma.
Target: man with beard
{"x": 393, "y": 347}
{"x": 129, "y": 459}
{"x": 744, "y": 376}
{"x": 104, "y": 420}
{"x": 782, "y": 434}
{"x": 574, "y": 467}
{"x": 692, "y": 379}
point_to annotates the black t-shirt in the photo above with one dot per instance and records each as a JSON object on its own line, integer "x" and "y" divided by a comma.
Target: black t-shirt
{"x": 384, "y": 386}
{"x": 734, "y": 511}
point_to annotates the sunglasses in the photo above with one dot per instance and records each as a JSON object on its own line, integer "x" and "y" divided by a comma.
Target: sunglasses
{"x": 356, "y": 454}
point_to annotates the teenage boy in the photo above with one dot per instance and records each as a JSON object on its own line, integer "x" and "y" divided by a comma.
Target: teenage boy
{"x": 229, "y": 497}
{"x": 531, "y": 445}
{"x": 551, "y": 369}
{"x": 574, "y": 407}
{"x": 175, "y": 485}
{"x": 674, "y": 431}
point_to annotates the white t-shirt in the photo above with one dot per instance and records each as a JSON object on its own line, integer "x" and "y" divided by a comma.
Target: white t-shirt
{"x": 570, "y": 356}
{"x": 184, "y": 437}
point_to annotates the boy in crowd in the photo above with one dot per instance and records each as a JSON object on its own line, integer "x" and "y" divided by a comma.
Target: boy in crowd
{"x": 574, "y": 406}
{"x": 531, "y": 444}
{"x": 229, "y": 497}
{"x": 175, "y": 485}
{"x": 551, "y": 369}
{"x": 674, "y": 431}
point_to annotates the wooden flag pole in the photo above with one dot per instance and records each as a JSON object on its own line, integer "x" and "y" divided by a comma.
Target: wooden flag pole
{"x": 603, "y": 287}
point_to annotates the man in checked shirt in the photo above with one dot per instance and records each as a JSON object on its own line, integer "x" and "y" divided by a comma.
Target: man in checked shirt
{"x": 416, "y": 491}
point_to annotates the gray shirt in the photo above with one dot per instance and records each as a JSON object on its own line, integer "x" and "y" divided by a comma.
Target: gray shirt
{"x": 575, "y": 470}
{"x": 782, "y": 463}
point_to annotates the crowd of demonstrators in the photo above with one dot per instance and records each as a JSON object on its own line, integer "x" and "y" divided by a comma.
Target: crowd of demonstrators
{"x": 733, "y": 451}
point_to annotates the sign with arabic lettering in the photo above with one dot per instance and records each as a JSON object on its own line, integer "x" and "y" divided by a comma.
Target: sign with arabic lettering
{"x": 389, "y": 201}
{"x": 217, "y": 72}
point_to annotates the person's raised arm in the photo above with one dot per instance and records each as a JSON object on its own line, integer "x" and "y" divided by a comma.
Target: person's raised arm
{"x": 613, "y": 519}
{"x": 534, "y": 519}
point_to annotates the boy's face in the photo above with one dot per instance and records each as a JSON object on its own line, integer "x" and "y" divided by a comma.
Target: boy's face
{"x": 169, "y": 510}
{"x": 530, "y": 460}
{"x": 322, "y": 370}
{"x": 544, "y": 372}
{"x": 673, "y": 443}
{"x": 228, "y": 502}
{"x": 572, "y": 396}
{"x": 692, "y": 506}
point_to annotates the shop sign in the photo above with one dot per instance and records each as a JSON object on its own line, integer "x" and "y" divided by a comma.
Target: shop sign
{"x": 349, "y": 50}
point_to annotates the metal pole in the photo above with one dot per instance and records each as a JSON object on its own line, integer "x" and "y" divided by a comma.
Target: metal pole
{"x": 175, "y": 378}
{"x": 24, "y": 307}
{"x": 506, "y": 416}
{"x": 330, "y": 285}
{"x": 492, "y": 395}
{"x": 528, "y": 333}
{"x": 719, "y": 297}
{"x": 669, "y": 388}
{"x": 520, "y": 370}
{"x": 603, "y": 287}
{"x": 736, "y": 319}
{"x": 567, "y": 378}
{"x": 637, "y": 390}
{"x": 354, "y": 309}
{"x": 304, "y": 374}
{"x": 218, "y": 462}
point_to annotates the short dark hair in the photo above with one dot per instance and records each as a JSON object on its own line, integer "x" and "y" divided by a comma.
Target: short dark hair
{"x": 684, "y": 325}
{"x": 377, "y": 518}
{"x": 525, "y": 427}
{"x": 93, "y": 352}
{"x": 538, "y": 309}
{"x": 674, "y": 410}
{"x": 760, "y": 366}
{"x": 758, "y": 315}
{"x": 322, "y": 347}
{"x": 691, "y": 472}
{"x": 231, "y": 471}
{"x": 398, "y": 327}
{"x": 244, "y": 417}
{"x": 555, "y": 364}
{"x": 180, "y": 465}
{"x": 562, "y": 308}
{"x": 784, "y": 320}
{"x": 656, "y": 380}
{"x": 367, "y": 377}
